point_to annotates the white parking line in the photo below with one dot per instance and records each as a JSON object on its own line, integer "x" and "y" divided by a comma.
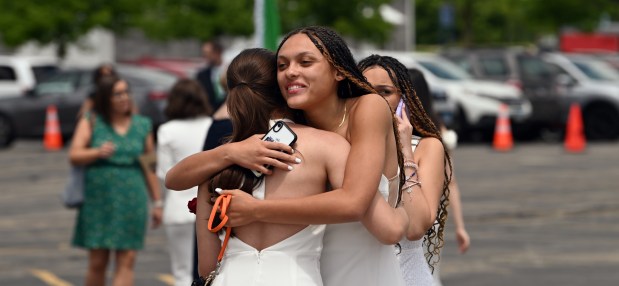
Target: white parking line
{"x": 49, "y": 278}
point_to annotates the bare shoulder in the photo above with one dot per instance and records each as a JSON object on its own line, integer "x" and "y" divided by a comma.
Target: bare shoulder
{"x": 370, "y": 110}
{"x": 318, "y": 137}
{"x": 371, "y": 101}
{"x": 430, "y": 146}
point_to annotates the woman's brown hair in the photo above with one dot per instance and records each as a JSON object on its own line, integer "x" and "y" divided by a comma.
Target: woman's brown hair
{"x": 187, "y": 99}
{"x": 253, "y": 95}
{"x": 102, "y": 104}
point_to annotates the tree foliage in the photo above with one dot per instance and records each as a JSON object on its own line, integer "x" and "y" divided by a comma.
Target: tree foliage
{"x": 508, "y": 21}
{"x": 475, "y": 22}
{"x": 62, "y": 21}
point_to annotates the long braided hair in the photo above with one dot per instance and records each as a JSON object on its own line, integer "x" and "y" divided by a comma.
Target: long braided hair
{"x": 425, "y": 127}
{"x": 334, "y": 49}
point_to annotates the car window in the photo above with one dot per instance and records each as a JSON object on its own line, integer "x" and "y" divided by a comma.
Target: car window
{"x": 597, "y": 70}
{"x": 59, "y": 83}
{"x": 42, "y": 72}
{"x": 7, "y": 73}
{"x": 494, "y": 66}
{"x": 444, "y": 69}
{"x": 532, "y": 68}
{"x": 558, "y": 70}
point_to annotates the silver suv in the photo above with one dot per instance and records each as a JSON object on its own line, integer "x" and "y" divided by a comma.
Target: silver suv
{"x": 595, "y": 86}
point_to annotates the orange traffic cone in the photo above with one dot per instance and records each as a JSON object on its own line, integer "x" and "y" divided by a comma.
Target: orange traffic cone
{"x": 52, "y": 139}
{"x": 575, "y": 141}
{"x": 503, "y": 140}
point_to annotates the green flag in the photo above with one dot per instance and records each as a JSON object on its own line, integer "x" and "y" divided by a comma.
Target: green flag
{"x": 266, "y": 24}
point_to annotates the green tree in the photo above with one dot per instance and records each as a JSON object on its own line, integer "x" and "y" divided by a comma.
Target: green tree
{"x": 201, "y": 19}
{"x": 357, "y": 19}
{"x": 62, "y": 22}
{"x": 509, "y": 21}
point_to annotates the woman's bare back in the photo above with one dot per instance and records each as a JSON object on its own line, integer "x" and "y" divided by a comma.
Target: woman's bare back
{"x": 323, "y": 156}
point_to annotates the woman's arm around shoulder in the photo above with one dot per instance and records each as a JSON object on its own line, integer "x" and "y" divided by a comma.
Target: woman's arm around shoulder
{"x": 251, "y": 153}
{"x": 369, "y": 121}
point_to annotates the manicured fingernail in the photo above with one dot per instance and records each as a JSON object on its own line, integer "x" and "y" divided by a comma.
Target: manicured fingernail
{"x": 290, "y": 168}
{"x": 298, "y": 160}
{"x": 218, "y": 190}
{"x": 292, "y": 151}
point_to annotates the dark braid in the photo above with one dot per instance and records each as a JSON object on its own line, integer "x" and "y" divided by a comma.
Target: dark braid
{"x": 424, "y": 126}
{"x": 334, "y": 49}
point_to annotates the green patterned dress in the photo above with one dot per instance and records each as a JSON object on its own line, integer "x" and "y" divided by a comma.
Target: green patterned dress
{"x": 115, "y": 210}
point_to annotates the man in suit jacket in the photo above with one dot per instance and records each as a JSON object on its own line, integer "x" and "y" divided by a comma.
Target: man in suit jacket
{"x": 209, "y": 77}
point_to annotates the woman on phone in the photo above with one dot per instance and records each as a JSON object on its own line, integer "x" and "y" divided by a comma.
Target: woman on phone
{"x": 391, "y": 79}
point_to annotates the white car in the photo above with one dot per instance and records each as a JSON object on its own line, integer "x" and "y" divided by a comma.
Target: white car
{"x": 594, "y": 85}
{"x": 19, "y": 74}
{"x": 476, "y": 103}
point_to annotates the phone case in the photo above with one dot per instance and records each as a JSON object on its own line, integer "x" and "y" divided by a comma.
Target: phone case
{"x": 280, "y": 132}
{"x": 398, "y": 110}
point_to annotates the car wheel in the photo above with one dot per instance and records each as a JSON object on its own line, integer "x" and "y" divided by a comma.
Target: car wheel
{"x": 601, "y": 122}
{"x": 7, "y": 132}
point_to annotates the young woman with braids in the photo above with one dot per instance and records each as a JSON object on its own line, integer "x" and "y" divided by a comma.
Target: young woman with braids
{"x": 317, "y": 76}
{"x": 266, "y": 253}
{"x": 426, "y": 159}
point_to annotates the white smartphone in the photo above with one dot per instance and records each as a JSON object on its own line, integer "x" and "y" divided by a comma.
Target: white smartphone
{"x": 280, "y": 132}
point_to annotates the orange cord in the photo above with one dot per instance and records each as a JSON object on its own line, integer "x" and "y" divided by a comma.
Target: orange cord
{"x": 221, "y": 204}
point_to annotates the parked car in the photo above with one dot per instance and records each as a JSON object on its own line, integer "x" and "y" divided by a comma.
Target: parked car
{"x": 180, "y": 67}
{"x": 24, "y": 116}
{"x": 524, "y": 69}
{"x": 19, "y": 74}
{"x": 475, "y": 103}
{"x": 594, "y": 85}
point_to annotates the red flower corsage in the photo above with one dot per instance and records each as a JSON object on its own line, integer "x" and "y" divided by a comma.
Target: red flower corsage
{"x": 192, "y": 205}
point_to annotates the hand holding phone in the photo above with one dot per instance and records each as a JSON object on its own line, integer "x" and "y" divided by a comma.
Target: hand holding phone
{"x": 281, "y": 133}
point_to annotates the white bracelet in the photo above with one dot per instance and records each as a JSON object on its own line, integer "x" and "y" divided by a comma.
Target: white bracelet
{"x": 158, "y": 204}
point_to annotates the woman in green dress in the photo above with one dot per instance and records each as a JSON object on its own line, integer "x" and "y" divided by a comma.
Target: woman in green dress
{"x": 114, "y": 214}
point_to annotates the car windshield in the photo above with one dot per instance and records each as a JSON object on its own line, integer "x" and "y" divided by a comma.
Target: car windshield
{"x": 43, "y": 72}
{"x": 59, "y": 83}
{"x": 596, "y": 70}
{"x": 444, "y": 69}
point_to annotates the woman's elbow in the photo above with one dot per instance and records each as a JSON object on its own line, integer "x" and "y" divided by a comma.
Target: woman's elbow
{"x": 392, "y": 236}
{"x": 170, "y": 182}
{"x": 417, "y": 232}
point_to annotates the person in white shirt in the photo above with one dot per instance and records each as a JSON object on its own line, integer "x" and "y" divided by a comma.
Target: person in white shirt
{"x": 184, "y": 134}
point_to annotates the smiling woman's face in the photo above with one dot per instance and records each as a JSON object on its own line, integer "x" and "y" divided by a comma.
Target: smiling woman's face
{"x": 379, "y": 79}
{"x": 304, "y": 75}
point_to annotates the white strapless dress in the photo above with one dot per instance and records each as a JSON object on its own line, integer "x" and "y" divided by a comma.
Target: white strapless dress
{"x": 352, "y": 256}
{"x": 294, "y": 261}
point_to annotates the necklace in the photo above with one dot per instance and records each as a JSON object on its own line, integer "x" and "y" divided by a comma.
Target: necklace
{"x": 343, "y": 118}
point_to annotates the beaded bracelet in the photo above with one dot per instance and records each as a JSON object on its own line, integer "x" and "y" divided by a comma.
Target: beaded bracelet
{"x": 410, "y": 164}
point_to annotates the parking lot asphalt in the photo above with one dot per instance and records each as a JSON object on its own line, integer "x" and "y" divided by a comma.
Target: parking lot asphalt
{"x": 536, "y": 216}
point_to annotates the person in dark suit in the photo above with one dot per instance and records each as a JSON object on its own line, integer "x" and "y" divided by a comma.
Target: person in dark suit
{"x": 209, "y": 77}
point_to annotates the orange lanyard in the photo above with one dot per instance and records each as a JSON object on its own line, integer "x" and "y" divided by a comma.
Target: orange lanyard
{"x": 221, "y": 204}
